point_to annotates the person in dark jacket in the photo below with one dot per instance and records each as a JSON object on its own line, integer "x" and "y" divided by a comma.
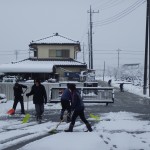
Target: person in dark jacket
{"x": 65, "y": 103}
{"x": 78, "y": 109}
{"x": 18, "y": 96}
{"x": 109, "y": 82}
{"x": 121, "y": 87}
{"x": 39, "y": 98}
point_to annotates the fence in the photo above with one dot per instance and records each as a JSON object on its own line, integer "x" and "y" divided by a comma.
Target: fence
{"x": 54, "y": 91}
{"x": 7, "y": 88}
{"x": 88, "y": 94}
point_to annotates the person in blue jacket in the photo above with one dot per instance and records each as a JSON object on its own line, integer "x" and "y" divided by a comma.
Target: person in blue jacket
{"x": 78, "y": 109}
{"x": 65, "y": 103}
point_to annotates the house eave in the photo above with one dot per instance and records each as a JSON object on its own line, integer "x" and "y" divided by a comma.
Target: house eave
{"x": 33, "y": 45}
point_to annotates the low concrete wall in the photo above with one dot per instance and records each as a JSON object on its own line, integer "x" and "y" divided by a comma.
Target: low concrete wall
{"x": 7, "y": 88}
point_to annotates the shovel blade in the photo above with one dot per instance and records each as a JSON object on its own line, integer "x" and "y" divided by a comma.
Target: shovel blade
{"x": 11, "y": 111}
{"x": 26, "y": 118}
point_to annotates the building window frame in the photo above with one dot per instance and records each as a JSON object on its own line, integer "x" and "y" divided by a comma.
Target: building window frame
{"x": 65, "y": 53}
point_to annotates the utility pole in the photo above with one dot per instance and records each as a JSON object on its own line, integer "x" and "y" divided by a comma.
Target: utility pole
{"x": 149, "y": 41}
{"x": 146, "y": 52}
{"x": 147, "y": 49}
{"x": 118, "y": 74}
{"x": 91, "y": 32}
{"x": 104, "y": 71}
{"x": 89, "y": 49}
{"x": 118, "y": 57}
{"x": 83, "y": 54}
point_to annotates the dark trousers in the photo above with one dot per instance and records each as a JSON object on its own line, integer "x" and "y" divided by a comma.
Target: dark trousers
{"x": 39, "y": 108}
{"x": 66, "y": 106}
{"x": 121, "y": 89}
{"x": 21, "y": 103}
{"x": 80, "y": 114}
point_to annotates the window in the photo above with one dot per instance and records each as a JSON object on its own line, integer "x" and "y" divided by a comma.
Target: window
{"x": 58, "y": 53}
{"x": 52, "y": 53}
{"x": 35, "y": 53}
{"x": 62, "y": 53}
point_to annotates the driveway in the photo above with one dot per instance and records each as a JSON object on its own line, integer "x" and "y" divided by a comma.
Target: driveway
{"x": 124, "y": 101}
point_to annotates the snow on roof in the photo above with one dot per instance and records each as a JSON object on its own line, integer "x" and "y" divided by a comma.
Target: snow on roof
{"x": 27, "y": 66}
{"x": 55, "y": 39}
{"x": 35, "y": 66}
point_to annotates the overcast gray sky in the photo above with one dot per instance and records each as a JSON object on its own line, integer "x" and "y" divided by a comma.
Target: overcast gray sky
{"x": 119, "y": 24}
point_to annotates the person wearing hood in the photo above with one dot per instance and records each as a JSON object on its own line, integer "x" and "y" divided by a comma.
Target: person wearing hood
{"x": 77, "y": 107}
{"x": 65, "y": 103}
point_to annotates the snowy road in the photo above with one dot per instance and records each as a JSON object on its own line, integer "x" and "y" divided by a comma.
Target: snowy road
{"x": 128, "y": 118}
{"x": 129, "y": 102}
{"x": 14, "y": 134}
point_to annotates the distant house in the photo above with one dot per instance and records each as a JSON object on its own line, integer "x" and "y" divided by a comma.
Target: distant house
{"x": 53, "y": 57}
{"x": 131, "y": 66}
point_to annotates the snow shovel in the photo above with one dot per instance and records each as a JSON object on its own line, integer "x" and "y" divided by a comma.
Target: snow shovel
{"x": 27, "y": 116}
{"x": 97, "y": 118}
{"x": 53, "y": 131}
{"x": 11, "y": 111}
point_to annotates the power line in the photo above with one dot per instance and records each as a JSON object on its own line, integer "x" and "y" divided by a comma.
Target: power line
{"x": 115, "y": 53}
{"x": 13, "y": 53}
{"x": 110, "y": 50}
{"x": 123, "y": 50}
{"x": 121, "y": 53}
{"x": 11, "y": 50}
{"x": 123, "y": 12}
{"x": 119, "y": 15}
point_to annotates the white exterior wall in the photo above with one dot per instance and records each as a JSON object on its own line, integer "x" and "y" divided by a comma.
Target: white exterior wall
{"x": 43, "y": 50}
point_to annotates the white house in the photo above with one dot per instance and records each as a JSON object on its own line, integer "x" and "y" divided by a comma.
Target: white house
{"x": 54, "y": 57}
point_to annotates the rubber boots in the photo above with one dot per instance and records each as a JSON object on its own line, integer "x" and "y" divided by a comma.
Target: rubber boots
{"x": 89, "y": 127}
{"x": 70, "y": 128}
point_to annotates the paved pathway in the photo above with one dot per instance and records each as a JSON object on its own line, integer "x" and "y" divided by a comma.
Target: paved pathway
{"x": 125, "y": 101}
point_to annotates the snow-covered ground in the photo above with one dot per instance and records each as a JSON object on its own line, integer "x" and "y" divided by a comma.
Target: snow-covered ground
{"x": 114, "y": 131}
{"x": 128, "y": 86}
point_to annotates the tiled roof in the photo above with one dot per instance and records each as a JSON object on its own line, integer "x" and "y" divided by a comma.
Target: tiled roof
{"x": 55, "y": 39}
{"x": 36, "y": 65}
{"x": 71, "y": 62}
